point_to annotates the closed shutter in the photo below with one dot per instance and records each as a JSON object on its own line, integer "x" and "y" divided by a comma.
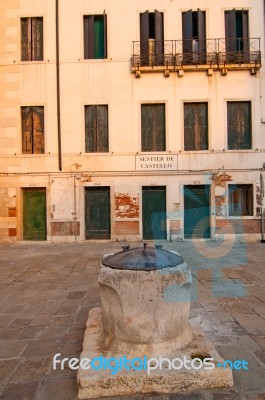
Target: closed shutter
{"x": 102, "y": 129}
{"x": 91, "y": 128}
{"x": 38, "y": 130}
{"x": 96, "y": 129}
{"x": 239, "y": 125}
{"x": 195, "y": 126}
{"x": 26, "y": 39}
{"x": 153, "y": 127}
{"x": 27, "y": 130}
{"x": 37, "y": 39}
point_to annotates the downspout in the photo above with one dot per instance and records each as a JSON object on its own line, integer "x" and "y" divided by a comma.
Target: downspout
{"x": 58, "y": 86}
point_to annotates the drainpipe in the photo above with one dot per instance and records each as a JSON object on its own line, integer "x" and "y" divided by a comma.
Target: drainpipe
{"x": 75, "y": 220}
{"x": 58, "y": 86}
{"x": 261, "y": 207}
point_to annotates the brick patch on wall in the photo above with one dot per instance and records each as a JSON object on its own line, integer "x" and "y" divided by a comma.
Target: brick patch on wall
{"x": 12, "y": 232}
{"x": 238, "y": 226}
{"x": 65, "y": 228}
{"x": 126, "y": 228}
{"x": 12, "y": 212}
{"x": 174, "y": 227}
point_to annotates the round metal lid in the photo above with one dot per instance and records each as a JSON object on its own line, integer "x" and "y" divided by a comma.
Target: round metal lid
{"x": 142, "y": 259}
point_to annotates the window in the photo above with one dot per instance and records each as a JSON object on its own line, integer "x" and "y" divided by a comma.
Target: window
{"x": 95, "y": 36}
{"x": 153, "y": 127}
{"x": 32, "y": 39}
{"x": 239, "y": 125}
{"x": 32, "y": 130}
{"x": 236, "y": 36}
{"x": 96, "y": 129}
{"x": 195, "y": 126}
{"x": 151, "y": 38}
{"x": 194, "y": 37}
{"x": 240, "y": 200}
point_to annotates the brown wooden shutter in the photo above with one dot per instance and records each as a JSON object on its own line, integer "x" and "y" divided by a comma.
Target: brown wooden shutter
{"x": 102, "y": 144}
{"x": 27, "y": 130}
{"x": 38, "y": 130}
{"x": 159, "y": 38}
{"x": 144, "y": 38}
{"x": 187, "y": 36}
{"x": 230, "y": 35}
{"x": 195, "y": 126}
{"x": 26, "y": 39}
{"x": 90, "y": 128}
{"x": 201, "y": 36}
{"x": 37, "y": 39}
{"x": 239, "y": 125}
{"x": 153, "y": 127}
{"x": 89, "y": 48}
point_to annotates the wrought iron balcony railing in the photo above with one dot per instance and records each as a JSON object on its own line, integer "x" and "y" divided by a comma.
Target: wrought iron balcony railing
{"x": 232, "y": 53}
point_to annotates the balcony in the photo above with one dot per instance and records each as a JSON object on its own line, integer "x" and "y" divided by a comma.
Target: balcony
{"x": 192, "y": 55}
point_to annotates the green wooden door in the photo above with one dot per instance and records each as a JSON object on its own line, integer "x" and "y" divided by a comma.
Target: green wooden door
{"x": 97, "y": 213}
{"x": 154, "y": 213}
{"x": 197, "y": 211}
{"x": 34, "y": 214}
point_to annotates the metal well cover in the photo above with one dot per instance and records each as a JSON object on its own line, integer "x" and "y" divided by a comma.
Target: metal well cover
{"x": 142, "y": 259}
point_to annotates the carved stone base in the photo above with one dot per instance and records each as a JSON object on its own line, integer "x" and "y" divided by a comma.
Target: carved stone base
{"x": 101, "y": 383}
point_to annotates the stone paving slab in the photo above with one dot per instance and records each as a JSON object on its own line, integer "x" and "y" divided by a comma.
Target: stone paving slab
{"x": 46, "y": 291}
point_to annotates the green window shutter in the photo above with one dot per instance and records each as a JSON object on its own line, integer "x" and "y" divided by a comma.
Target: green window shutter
{"x": 99, "y": 37}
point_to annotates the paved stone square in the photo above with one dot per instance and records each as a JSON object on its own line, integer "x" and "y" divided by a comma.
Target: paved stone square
{"x": 46, "y": 291}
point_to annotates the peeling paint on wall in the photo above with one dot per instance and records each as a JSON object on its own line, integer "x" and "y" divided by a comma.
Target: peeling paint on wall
{"x": 221, "y": 179}
{"x": 219, "y": 206}
{"x": 126, "y": 205}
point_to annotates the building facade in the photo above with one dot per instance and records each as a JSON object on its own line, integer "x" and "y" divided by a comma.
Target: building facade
{"x": 131, "y": 120}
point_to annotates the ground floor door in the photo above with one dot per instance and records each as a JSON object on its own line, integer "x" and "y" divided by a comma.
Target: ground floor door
{"x": 154, "y": 213}
{"x": 197, "y": 211}
{"x": 97, "y": 213}
{"x": 34, "y": 214}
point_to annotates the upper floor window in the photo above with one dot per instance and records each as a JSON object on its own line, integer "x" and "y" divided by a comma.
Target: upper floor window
{"x": 240, "y": 200}
{"x": 153, "y": 127}
{"x": 32, "y": 130}
{"x": 95, "y": 36}
{"x": 151, "y": 38}
{"x": 236, "y": 36}
{"x": 32, "y": 39}
{"x": 96, "y": 129}
{"x": 195, "y": 126}
{"x": 194, "y": 37}
{"x": 239, "y": 125}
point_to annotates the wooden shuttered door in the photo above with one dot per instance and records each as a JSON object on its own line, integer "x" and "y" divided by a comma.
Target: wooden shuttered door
{"x": 32, "y": 130}
{"x": 95, "y": 36}
{"x": 239, "y": 125}
{"x": 153, "y": 127}
{"x": 195, "y": 126}
{"x": 96, "y": 129}
{"x": 32, "y": 39}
